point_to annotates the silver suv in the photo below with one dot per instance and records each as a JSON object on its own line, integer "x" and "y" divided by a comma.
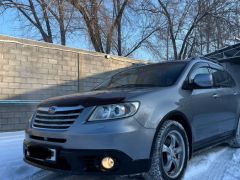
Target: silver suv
{"x": 148, "y": 119}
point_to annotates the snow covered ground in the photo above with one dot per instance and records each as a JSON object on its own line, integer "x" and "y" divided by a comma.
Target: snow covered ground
{"x": 221, "y": 163}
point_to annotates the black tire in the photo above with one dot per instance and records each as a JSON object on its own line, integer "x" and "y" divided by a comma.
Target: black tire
{"x": 157, "y": 171}
{"x": 235, "y": 142}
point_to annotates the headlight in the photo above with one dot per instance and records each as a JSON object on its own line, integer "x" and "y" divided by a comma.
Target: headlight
{"x": 114, "y": 111}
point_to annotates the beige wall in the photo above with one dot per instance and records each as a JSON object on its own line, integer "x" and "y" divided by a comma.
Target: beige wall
{"x": 31, "y": 70}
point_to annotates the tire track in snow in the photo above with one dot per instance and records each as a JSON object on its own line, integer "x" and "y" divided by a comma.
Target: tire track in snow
{"x": 209, "y": 165}
{"x": 233, "y": 171}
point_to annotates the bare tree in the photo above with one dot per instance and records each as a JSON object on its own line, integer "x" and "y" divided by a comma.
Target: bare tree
{"x": 220, "y": 28}
{"x": 30, "y": 12}
{"x": 203, "y": 9}
{"x": 90, "y": 12}
{"x": 104, "y": 22}
{"x": 188, "y": 22}
{"x": 161, "y": 29}
{"x": 63, "y": 13}
{"x": 43, "y": 15}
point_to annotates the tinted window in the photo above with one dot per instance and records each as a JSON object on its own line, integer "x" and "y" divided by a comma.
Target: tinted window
{"x": 222, "y": 78}
{"x": 158, "y": 75}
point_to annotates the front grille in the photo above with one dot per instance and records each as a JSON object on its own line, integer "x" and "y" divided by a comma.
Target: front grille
{"x": 60, "y": 118}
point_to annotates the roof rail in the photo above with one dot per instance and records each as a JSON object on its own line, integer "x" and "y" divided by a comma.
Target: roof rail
{"x": 207, "y": 59}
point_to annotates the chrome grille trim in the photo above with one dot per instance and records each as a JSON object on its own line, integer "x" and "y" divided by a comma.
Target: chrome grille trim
{"x": 61, "y": 108}
{"x": 57, "y": 115}
{"x": 61, "y": 119}
{"x": 54, "y": 120}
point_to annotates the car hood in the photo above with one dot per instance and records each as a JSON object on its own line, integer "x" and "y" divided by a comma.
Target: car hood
{"x": 94, "y": 98}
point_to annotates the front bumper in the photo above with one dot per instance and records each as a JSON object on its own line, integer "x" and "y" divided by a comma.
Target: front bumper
{"x": 124, "y": 139}
{"x": 125, "y": 135}
{"x": 85, "y": 162}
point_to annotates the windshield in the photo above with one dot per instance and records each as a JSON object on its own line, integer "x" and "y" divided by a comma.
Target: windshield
{"x": 157, "y": 75}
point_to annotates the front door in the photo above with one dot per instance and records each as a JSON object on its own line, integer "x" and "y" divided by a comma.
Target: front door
{"x": 203, "y": 107}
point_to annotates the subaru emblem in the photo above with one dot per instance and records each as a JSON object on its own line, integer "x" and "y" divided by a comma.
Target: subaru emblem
{"x": 52, "y": 110}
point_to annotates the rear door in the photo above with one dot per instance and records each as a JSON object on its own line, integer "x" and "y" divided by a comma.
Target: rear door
{"x": 225, "y": 96}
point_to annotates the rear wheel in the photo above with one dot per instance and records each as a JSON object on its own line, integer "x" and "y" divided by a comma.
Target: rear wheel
{"x": 170, "y": 153}
{"x": 236, "y": 140}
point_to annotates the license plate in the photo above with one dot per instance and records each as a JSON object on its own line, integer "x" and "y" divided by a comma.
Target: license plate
{"x": 42, "y": 153}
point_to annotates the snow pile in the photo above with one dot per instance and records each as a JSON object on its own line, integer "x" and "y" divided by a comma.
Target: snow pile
{"x": 201, "y": 163}
{"x": 233, "y": 170}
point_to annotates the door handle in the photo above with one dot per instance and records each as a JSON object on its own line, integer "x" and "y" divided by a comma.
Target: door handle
{"x": 216, "y": 96}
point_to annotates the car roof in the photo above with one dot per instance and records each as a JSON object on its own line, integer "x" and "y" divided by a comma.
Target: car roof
{"x": 190, "y": 60}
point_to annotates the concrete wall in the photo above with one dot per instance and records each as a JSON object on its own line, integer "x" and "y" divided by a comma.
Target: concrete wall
{"x": 31, "y": 70}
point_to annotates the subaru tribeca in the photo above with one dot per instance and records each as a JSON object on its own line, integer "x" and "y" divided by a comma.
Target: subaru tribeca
{"x": 148, "y": 119}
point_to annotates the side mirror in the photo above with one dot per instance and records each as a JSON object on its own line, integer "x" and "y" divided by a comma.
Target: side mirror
{"x": 203, "y": 81}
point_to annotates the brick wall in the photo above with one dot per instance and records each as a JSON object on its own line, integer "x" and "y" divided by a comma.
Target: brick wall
{"x": 31, "y": 70}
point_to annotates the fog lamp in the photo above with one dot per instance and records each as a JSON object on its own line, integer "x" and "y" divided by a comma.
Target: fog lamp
{"x": 107, "y": 162}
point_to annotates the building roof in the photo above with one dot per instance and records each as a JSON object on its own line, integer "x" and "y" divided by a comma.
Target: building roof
{"x": 228, "y": 54}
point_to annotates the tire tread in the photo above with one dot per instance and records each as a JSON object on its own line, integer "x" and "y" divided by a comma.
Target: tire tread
{"x": 155, "y": 172}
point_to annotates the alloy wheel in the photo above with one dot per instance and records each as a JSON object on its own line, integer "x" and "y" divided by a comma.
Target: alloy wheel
{"x": 173, "y": 154}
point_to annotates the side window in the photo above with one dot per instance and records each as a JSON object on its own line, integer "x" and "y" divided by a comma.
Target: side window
{"x": 222, "y": 78}
{"x": 231, "y": 80}
{"x": 201, "y": 70}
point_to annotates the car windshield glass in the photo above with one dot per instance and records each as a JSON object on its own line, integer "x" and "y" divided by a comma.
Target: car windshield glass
{"x": 157, "y": 75}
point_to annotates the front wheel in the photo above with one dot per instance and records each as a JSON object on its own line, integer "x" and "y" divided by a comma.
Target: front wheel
{"x": 170, "y": 153}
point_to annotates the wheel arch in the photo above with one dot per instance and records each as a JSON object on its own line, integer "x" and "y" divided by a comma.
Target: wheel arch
{"x": 180, "y": 118}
